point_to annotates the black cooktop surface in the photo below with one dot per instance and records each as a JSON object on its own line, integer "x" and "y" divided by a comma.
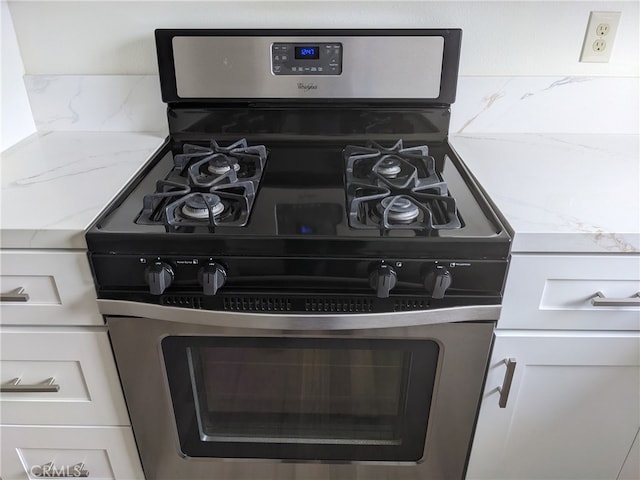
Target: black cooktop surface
{"x": 304, "y": 193}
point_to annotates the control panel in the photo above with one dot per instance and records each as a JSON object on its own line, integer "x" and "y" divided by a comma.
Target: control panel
{"x": 206, "y": 275}
{"x": 306, "y": 58}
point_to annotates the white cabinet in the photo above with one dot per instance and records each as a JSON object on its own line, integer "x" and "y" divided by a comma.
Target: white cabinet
{"x": 573, "y": 411}
{"x": 56, "y": 288}
{"x": 557, "y": 292}
{"x": 62, "y": 411}
{"x": 66, "y": 452}
{"x": 74, "y": 369}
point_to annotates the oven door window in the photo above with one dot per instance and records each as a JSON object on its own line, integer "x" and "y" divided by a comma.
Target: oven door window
{"x": 301, "y": 398}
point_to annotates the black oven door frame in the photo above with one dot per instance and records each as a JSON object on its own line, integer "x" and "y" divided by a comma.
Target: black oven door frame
{"x": 336, "y": 423}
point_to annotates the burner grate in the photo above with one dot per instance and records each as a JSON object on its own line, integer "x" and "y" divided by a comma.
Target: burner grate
{"x": 208, "y": 187}
{"x": 397, "y": 188}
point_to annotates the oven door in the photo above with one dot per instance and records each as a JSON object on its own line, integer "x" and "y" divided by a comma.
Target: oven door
{"x": 334, "y": 399}
{"x": 248, "y": 396}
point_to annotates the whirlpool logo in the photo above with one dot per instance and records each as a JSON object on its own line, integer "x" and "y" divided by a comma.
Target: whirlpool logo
{"x": 307, "y": 86}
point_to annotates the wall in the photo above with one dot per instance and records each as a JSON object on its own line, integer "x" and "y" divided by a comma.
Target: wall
{"x": 500, "y": 38}
{"x": 91, "y": 65}
{"x": 15, "y": 120}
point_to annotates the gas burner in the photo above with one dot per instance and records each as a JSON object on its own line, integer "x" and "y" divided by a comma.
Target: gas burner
{"x": 397, "y": 188}
{"x": 219, "y": 156}
{"x": 222, "y": 165}
{"x": 389, "y": 166}
{"x": 197, "y": 207}
{"x": 196, "y": 210}
{"x": 380, "y": 209}
{"x": 208, "y": 187}
{"x": 219, "y": 169}
{"x": 396, "y": 166}
{"x": 399, "y": 209}
{"x": 194, "y": 206}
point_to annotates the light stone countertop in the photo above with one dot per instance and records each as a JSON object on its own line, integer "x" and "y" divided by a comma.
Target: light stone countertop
{"x": 54, "y": 185}
{"x": 559, "y": 193}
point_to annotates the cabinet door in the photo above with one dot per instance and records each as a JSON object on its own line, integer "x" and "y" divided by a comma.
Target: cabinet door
{"x": 573, "y": 410}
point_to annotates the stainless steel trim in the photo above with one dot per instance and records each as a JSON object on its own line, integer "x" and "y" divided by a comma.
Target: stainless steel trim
{"x": 599, "y": 300}
{"x": 333, "y": 441}
{"x": 506, "y": 384}
{"x": 16, "y": 295}
{"x": 464, "y": 353}
{"x": 292, "y": 322}
{"x": 14, "y": 386}
{"x": 240, "y": 67}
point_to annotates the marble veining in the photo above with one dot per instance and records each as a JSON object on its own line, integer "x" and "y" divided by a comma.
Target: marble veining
{"x": 96, "y": 102}
{"x": 546, "y": 105}
{"x": 80, "y": 167}
{"x": 495, "y": 104}
{"x": 54, "y": 185}
{"x": 561, "y": 193}
{"x": 488, "y": 102}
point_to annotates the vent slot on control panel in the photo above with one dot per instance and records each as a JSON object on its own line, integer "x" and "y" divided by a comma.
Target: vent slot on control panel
{"x": 406, "y": 305}
{"x": 184, "y": 301}
{"x": 338, "y": 305}
{"x": 257, "y": 304}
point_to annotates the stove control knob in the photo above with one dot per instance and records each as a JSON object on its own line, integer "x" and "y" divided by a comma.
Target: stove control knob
{"x": 438, "y": 281}
{"x": 159, "y": 277}
{"x": 382, "y": 280}
{"x": 212, "y": 277}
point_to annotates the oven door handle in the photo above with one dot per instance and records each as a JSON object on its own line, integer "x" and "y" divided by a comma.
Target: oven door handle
{"x": 297, "y": 321}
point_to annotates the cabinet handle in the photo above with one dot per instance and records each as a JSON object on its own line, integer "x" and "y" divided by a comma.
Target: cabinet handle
{"x": 16, "y": 387}
{"x": 16, "y": 295}
{"x": 599, "y": 300}
{"x": 506, "y": 384}
{"x": 49, "y": 470}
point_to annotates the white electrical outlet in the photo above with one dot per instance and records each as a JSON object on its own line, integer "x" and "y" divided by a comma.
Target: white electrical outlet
{"x": 599, "y": 37}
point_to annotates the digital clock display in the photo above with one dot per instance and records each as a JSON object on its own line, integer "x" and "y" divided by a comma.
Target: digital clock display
{"x": 307, "y": 52}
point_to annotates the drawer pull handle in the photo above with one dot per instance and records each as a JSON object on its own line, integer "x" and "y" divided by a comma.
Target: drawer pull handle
{"x": 506, "y": 384}
{"x": 14, "y": 386}
{"x": 599, "y": 300}
{"x": 49, "y": 470}
{"x": 16, "y": 295}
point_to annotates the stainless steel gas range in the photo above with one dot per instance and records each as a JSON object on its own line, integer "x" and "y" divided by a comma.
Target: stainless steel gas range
{"x": 304, "y": 280}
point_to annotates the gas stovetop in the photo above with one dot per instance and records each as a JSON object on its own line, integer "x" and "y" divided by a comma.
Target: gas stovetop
{"x": 314, "y": 188}
{"x": 387, "y": 188}
{"x": 378, "y": 193}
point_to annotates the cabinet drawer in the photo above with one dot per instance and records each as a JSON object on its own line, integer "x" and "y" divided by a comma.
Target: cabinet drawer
{"x": 556, "y": 292}
{"x": 72, "y": 370}
{"x": 57, "y": 289}
{"x": 107, "y": 453}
